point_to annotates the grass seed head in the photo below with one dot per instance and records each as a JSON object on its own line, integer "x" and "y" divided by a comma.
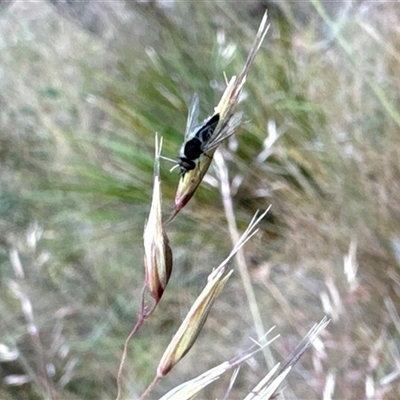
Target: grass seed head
{"x": 193, "y": 323}
{"x": 158, "y": 254}
{"x": 227, "y": 126}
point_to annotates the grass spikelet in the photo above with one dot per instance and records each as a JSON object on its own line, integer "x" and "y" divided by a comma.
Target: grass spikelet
{"x": 157, "y": 258}
{"x": 158, "y": 254}
{"x": 227, "y": 126}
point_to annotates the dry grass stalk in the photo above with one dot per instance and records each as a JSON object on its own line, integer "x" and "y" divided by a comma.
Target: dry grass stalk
{"x": 222, "y": 173}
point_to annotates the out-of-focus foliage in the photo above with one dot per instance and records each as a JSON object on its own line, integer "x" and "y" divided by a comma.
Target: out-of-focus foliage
{"x": 78, "y": 115}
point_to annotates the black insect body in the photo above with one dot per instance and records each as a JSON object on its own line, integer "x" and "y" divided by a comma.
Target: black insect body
{"x": 194, "y": 147}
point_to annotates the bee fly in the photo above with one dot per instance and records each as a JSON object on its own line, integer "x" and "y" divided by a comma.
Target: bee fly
{"x": 197, "y": 137}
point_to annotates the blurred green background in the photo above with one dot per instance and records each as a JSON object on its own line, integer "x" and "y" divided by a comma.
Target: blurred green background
{"x": 83, "y": 89}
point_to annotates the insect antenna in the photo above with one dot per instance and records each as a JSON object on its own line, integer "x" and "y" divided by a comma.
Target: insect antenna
{"x": 174, "y": 167}
{"x": 168, "y": 159}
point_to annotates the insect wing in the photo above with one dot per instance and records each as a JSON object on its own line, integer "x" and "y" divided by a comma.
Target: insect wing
{"x": 193, "y": 116}
{"x": 193, "y": 148}
{"x": 204, "y": 134}
{"x": 223, "y": 132}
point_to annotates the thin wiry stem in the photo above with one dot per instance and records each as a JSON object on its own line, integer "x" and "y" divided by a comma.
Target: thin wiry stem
{"x": 225, "y": 190}
{"x": 144, "y": 314}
